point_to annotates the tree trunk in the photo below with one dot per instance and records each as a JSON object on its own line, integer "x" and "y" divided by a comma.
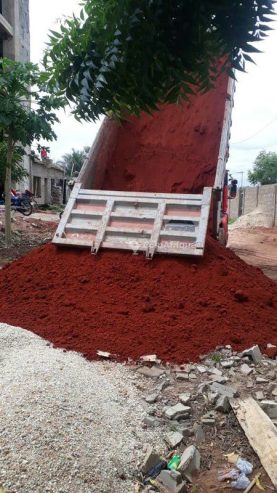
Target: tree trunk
{"x": 8, "y": 183}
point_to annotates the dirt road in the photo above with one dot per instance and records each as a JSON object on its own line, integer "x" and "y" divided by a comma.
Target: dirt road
{"x": 256, "y": 246}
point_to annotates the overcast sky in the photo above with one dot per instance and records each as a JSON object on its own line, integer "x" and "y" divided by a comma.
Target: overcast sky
{"x": 254, "y": 115}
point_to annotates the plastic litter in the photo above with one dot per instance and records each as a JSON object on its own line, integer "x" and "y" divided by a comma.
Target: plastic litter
{"x": 228, "y": 474}
{"x": 155, "y": 471}
{"x": 232, "y": 457}
{"x": 174, "y": 462}
{"x": 241, "y": 483}
{"x": 244, "y": 466}
{"x": 258, "y": 484}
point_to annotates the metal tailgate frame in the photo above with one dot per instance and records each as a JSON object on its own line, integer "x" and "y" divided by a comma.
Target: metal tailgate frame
{"x": 156, "y": 222}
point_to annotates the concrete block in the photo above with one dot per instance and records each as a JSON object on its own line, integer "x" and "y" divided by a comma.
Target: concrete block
{"x": 224, "y": 390}
{"x": 254, "y": 353}
{"x": 151, "y": 459}
{"x": 177, "y": 411}
{"x": 270, "y": 408}
{"x": 173, "y": 439}
{"x": 190, "y": 462}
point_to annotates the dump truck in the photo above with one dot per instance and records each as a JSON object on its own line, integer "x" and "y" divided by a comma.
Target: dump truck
{"x": 125, "y": 197}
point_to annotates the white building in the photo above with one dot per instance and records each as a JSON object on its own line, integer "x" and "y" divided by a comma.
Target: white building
{"x": 15, "y": 44}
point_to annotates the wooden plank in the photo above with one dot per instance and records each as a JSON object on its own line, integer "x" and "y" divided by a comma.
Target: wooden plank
{"x": 260, "y": 431}
{"x": 66, "y": 215}
{"x": 102, "y": 226}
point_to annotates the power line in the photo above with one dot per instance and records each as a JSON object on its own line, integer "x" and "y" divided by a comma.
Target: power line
{"x": 256, "y": 133}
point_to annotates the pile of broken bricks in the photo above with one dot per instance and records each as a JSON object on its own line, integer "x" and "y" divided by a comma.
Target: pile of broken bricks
{"x": 192, "y": 402}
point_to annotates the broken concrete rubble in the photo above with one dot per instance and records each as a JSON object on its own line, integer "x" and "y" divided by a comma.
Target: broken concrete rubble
{"x": 185, "y": 397}
{"x": 223, "y": 404}
{"x": 190, "y": 462}
{"x": 178, "y": 411}
{"x": 224, "y": 390}
{"x": 173, "y": 439}
{"x": 245, "y": 369}
{"x": 151, "y": 372}
{"x": 150, "y": 460}
{"x": 172, "y": 481}
{"x": 270, "y": 408}
{"x": 254, "y": 353}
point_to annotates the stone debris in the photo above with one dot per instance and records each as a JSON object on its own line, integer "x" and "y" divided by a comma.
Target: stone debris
{"x": 185, "y": 397}
{"x": 173, "y": 439}
{"x": 216, "y": 371}
{"x": 172, "y": 481}
{"x": 104, "y": 354}
{"x": 224, "y": 390}
{"x": 150, "y": 358}
{"x": 178, "y": 411}
{"x": 151, "y": 372}
{"x": 270, "y": 408}
{"x": 205, "y": 385}
{"x": 254, "y": 353}
{"x": 227, "y": 364}
{"x": 261, "y": 380}
{"x": 259, "y": 395}
{"x": 151, "y": 421}
{"x": 245, "y": 369}
{"x": 223, "y": 404}
{"x": 200, "y": 436}
{"x": 190, "y": 462}
{"x": 182, "y": 376}
{"x": 151, "y": 398}
{"x": 274, "y": 391}
{"x": 151, "y": 459}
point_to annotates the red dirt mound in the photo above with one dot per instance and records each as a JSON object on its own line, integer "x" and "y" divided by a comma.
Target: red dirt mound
{"x": 176, "y": 307}
{"x": 173, "y": 151}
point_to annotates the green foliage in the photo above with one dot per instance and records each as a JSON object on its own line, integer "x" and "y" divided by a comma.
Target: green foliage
{"x": 21, "y": 84}
{"x": 74, "y": 160}
{"x": 27, "y": 114}
{"x": 18, "y": 170}
{"x": 130, "y": 55}
{"x": 265, "y": 169}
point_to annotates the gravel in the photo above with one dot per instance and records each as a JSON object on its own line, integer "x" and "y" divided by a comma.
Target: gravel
{"x": 67, "y": 425}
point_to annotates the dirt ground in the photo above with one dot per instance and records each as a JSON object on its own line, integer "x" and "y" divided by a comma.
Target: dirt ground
{"x": 28, "y": 233}
{"x": 256, "y": 246}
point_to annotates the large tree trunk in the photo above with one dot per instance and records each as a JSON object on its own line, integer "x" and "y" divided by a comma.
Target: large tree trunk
{"x": 8, "y": 182}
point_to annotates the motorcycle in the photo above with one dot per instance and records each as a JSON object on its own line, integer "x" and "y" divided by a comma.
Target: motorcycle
{"x": 20, "y": 202}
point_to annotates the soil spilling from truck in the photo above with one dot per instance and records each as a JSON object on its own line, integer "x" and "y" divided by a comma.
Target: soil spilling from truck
{"x": 176, "y": 307}
{"x": 174, "y": 150}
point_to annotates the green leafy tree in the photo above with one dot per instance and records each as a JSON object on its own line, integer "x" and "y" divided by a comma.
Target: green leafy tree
{"x": 127, "y": 56}
{"x": 18, "y": 172}
{"x": 265, "y": 169}
{"x": 27, "y": 114}
{"x": 74, "y": 160}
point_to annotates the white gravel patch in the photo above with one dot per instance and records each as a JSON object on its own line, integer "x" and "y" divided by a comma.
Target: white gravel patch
{"x": 67, "y": 425}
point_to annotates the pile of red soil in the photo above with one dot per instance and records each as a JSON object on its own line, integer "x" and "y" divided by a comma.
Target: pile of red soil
{"x": 176, "y": 307}
{"x": 173, "y": 151}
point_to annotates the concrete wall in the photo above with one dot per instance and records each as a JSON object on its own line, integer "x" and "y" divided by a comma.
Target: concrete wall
{"x": 17, "y": 47}
{"x": 249, "y": 198}
{"x": 45, "y": 173}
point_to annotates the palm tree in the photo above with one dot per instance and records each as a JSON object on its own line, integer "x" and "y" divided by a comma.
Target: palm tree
{"x": 74, "y": 160}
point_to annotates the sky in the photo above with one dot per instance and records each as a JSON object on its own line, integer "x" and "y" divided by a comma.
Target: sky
{"x": 254, "y": 115}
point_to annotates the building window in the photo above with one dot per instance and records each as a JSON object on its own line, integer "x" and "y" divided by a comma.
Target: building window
{"x": 37, "y": 186}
